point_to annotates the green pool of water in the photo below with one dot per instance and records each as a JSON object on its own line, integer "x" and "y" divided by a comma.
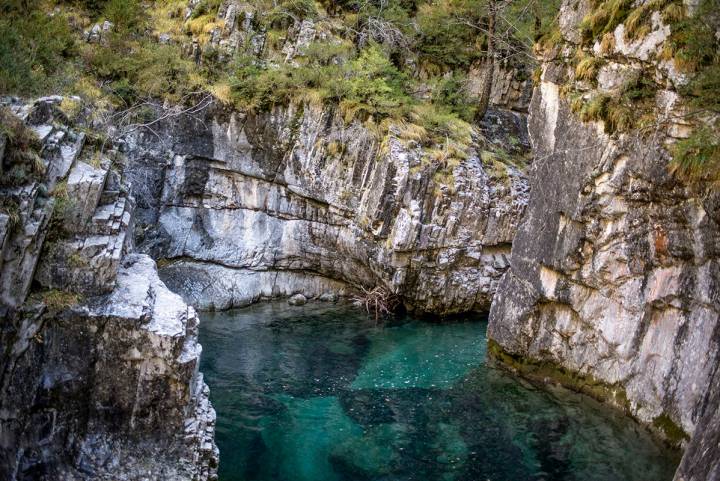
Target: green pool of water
{"x": 321, "y": 393}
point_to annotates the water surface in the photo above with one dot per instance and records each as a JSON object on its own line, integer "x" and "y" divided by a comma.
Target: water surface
{"x": 321, "y": 393}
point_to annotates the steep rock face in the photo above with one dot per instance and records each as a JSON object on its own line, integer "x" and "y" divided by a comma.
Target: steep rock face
{"x": 99, "y": 367}
{"x": 295, "y": 200}
{"x": 615, "y": 268}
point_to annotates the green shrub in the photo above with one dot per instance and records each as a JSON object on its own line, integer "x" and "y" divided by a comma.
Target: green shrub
{"x": 125, "y": 14}
{"x": 375, "y": 85}
{"x": 696, "y": 48}
{"x": 34, "y": 49}
{"x": 443, "y": 40}
{"x": 451, "y": 93}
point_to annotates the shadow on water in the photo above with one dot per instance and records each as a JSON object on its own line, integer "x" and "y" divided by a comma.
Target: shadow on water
{"x": 321, "y": 393}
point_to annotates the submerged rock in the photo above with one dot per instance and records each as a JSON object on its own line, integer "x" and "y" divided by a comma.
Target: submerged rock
{"x": 328, "y": 297}
{"x": 297, "y": 300}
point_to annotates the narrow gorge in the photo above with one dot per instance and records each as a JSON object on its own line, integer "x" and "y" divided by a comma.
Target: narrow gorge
{"x": 390, "y": 280}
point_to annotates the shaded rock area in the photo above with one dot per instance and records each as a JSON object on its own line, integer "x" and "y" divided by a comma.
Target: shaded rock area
{"x": 276, "y": 202}
{"x": 99, "y": 373}
{"x": 613, "y": 284}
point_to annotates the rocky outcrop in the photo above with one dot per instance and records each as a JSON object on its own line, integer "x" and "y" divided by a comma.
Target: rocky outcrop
{"x": 613, "y": 286}
{"x": 297, "y": 201}
{"x": 99, "y": 376}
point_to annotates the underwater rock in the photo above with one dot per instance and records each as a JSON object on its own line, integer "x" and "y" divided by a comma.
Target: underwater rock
{"x": 297, "y": 300}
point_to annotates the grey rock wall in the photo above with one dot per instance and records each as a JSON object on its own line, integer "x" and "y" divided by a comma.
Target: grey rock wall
{"x": 295, "y": 195}
{"x": 99, "y": 360}
{"x": 615, "y": 268}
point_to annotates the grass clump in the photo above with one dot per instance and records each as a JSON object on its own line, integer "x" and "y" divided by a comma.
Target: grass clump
{"x": 622, "y": 111}
{"x": 638, "y": 23}
{"x": 21, "y": 162}
{"x": 697, "y": 157}
{"x": 56, "y": 300}
{"x": 587, "y": 67}
{"x": 604, "y": 18}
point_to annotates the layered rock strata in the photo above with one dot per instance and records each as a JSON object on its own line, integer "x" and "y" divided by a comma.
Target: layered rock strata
{"x": 99, "y": 376}
{"x": 297, "y": 201}
{"x": 613, "y": 286}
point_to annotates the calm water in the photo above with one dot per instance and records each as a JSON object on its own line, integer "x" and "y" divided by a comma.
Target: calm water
{"x": 320, "y": 393}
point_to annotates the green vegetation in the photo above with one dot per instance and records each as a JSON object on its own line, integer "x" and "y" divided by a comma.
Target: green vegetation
{"x": 56, "y": 300}
{"x": 630, "y": 108}
{"x": 21, "y": 162}
{"x": 698, "y": 157}
{"x": 604, "y": 18}
{"x": 607, "y": 15}
{"x": 33, "y": 52}
{"x": 543, "y": 371}
{"x": 372, "y": 59}
{"x": 587, "y": 67}
{"x": 673, "y": 433}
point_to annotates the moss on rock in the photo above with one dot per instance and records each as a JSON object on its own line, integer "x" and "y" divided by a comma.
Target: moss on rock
{"x": 547, "y": 371}
{"x": 671, "y": 431}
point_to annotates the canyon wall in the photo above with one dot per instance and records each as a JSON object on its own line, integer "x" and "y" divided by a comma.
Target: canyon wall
{"x": 99, "y": 366}
{"x": 613, "y": 286}
{"x": 296, "y": 200}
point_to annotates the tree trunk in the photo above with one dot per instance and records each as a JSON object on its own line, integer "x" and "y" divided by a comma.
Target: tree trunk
{"x": 484, "y": 100}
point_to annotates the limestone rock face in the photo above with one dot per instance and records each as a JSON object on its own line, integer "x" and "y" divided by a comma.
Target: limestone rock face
{"x": 99, "y": 366}
{"x": 109, "y": 390}
{"x": 615, "y": 269}
{"x": 295, "y": 200}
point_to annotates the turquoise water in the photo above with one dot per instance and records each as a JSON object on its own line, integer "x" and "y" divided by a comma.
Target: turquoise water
{"x": 321, "y": 393}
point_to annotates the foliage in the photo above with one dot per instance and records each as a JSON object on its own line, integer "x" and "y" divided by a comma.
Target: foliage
{"x": 532, "y": 19}
{"x": 21, "y": 162}
{"x": 620, "y": 112}
{"x": 375, "y": 85}
{"x": 697, "y": 157}
{"x": 447, "y": 37}
{"x": 696, "y": 47}
{"x": 143, "y": 69}
{"x": 33, "y": 51}
{"x": 369, "y": 84}
{"x": 604, "y": 17}
{"x": 451, "y": 93}
{"x": 124, "y": 14}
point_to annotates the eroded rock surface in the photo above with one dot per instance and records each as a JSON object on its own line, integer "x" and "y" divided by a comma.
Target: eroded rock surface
{"x": 296, "y": 201}
{"x": 615, "y": 268}
{"x": 99, "y": 372}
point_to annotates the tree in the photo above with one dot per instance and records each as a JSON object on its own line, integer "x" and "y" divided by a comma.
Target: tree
{"x": 486, "y": 91}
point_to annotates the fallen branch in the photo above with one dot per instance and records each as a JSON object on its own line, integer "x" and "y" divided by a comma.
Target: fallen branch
{"x": 378, "y": 301}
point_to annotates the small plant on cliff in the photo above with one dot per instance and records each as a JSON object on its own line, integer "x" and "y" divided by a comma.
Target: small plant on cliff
{"x": 21, "y": 162}
{"x": 587, "y": 67}
{"x": 697, "y": 157}
{"x": 604, "y": 17}
{"x": 56, "y": 300}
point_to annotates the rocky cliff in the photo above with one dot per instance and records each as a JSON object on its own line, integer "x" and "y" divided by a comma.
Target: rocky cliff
{"x": 304, "y": 198}
{"x": 613, "y": 286}
{"x": 249, "y": 206}
{"x": 99, "y": 376}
